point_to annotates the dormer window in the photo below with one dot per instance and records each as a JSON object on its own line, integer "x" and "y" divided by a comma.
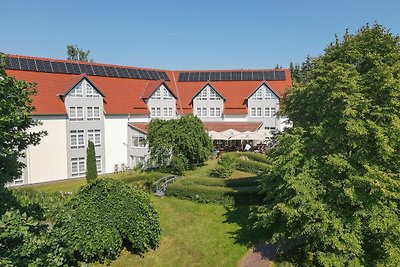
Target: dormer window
{"x": 166, "y": 94}
{"x": 157, "y": 94}
{"x": 90, "y": 91}
{"x": 77, "y": 91}
{"x": 208, "y": 93}
{"x": 84, "y": 89}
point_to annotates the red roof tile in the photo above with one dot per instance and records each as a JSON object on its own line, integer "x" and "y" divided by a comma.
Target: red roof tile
{"x": 125, "y": 96}
{"x": 139, "y": 126}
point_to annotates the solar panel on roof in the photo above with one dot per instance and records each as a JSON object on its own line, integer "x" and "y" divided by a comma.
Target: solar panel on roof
{"x": 163, "y": 75}
{"x": 32, "y": 65}
{"x": 215, "y": 76}
{"x": 226, "y": 76}
{"x": 258, "y": 76}
{"x": 40, "y": 66}
{"x": 144, "y": 75}
{"x": 204, "y": 76}
{"x": 59, "y": 67}
{"x": 47, "y": 66}
{"x": 122, "y": 72}
{"x": 110, "y": 71}
{"x": 86, "y": 68}
{"x": 194, "y": 76}
{"x": 133, "y": 73}
{"x": 269, "y": 75}
{"x": 247, "y": 75}
{"x": 183, "y": 77}
{"x": 24, "y": 64}
{"x": 72, "y": 68}
{"x": 236, "y": 76}
{"x": 13, "y": 63}
{"x": 153, "y": 75}
{"x": 280, "y": 75}
{"x": 99, "y": 70}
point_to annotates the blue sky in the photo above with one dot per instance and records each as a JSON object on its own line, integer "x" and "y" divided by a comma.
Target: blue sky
{"x": 187, "y": 34}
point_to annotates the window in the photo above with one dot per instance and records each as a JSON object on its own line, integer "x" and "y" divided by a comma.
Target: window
{"x": 267, "y": 112}
{"x": 77, "y": 91}
{"x": 77, "y": 166}
{"x": 169, "y": 112}
{"x": 77, "y": 139}
{"x": 269, "y": 128}
{"x": 198, "y": 112}
{"x": 214, "y": 95}
{"x": 158, "y": 112}
{"x": 138, "y": 141}
{"x": 215, "y": 112}
{"x": 90, "y": 91}
{"x": 95, "y": 137}
{"x": 157, "y": 94}
{"x": 153, "y": 112}
{"x": 268, "y": 94}
{"x": 98, "y": 163}
{"x": 273, "y": 111}
{"x": 93, "y": 113}
{"x": 203, "y": 95}
{"x": 259, "y": 94}
{"x": 256, "y": 112}
{"x": 166, "y": 94}
{"x": 165, "y": 112}
{"x": 76, "y": 113}
{"x": 204, "y": 112}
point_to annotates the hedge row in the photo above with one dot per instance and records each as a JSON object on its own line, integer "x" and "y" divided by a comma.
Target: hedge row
{"x": 254, "y": 156}
{"x": 251, "y": 166}
{"x": 214, "y": 194}
{"x": 239, "y": 182}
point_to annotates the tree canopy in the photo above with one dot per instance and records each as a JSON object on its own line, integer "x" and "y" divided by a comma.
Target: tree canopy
{"x": 180, "y": 142}
{"x": 15, "y": 120}
{"x": 78, "y": 54}
{"x": 333, "y": 192}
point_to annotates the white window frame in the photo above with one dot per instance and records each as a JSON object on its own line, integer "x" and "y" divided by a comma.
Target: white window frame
{"x": 203, "y": 95}
{"x": 157, "y": 94}
{"x": 138, "y": 140}
{"x": 259, "y": 94}
{"x": 98, "y": 164}
{"x": 77, "y": 91}
{"x": 77, "y": 139}
{"x": 95, "y": 137}
{"x": 273, "y": 112}
{"x": 92, "y": 113}
{"x": 256, "y": 112}
{"x": 170, "y": 112}
{"x": 91, "y": 91}
{"x": 166, "y": 94}
{"x": 80, "y": 166}
{"x": 158, "y": 112}
{"x": 214, "y": 95}
{"x": 268, "y": 94}
{"x": 217, "y": 112}
{"x": 73, "y": 114}
{"x": 267, "y": 112}
{"x": 153, "y": 112}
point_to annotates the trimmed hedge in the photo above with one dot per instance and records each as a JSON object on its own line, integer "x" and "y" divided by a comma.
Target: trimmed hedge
{"x": 214, "y": 194}
{"x": 239, "y": 182}
{"x": 254, "y": 156}
{"x": 251, "y": 166}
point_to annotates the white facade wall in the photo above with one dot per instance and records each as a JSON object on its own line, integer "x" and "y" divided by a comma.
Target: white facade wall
{"x": 48, "y": 160}
{"x": 235, "y": 118}
{"x": 116, "y": 141}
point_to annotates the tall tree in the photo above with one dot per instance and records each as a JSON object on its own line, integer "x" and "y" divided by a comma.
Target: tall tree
{"x": 91, "y": 169}
{"x": 334, "y": 188}
{"x": 184, "y": 139}
{"x": 78, "y": 54}
{"x": 15, "y": 120}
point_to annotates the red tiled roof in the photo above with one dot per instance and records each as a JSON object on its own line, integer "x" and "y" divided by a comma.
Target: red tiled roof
{"x": 139, "y": 126}
{"x": 238, "y": 126}
{"x": 125, "y": 96}
{"x": 152, "y": 86}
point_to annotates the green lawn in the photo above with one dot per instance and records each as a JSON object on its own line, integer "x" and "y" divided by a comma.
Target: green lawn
{"x": 193, "y": 234}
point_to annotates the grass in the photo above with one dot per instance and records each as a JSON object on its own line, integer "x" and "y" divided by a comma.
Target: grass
{"x": 193, "y": 234}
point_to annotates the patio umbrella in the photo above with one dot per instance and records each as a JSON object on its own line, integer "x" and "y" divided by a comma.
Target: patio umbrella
{"x": 248, "y": 136}
{"x": 218, "y": 135}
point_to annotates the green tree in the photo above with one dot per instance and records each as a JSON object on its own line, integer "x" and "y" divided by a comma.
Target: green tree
{"x": 91, "y": 169}
{"x": 333, "y": 191}
{"x": 78, "y": 54}
{"x": 184, "y": 141}
{"x": 15, "y": 120}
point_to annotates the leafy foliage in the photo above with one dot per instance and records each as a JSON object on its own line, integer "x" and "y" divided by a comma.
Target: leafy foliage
{"x": 333, "y": 190}
{"x": 15, "y": 119}
{"x": 183, "y": 140}
{"x": 91, "y": 168}
{"x": 106, "y": 215}
{"x": 78, "y": 54}
{"x": 226, "y": 165}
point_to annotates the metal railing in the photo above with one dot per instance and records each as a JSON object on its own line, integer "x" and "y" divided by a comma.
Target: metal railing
{"x": 162, "y": 183}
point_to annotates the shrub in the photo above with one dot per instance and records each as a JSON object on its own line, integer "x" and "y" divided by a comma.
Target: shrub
{"x": 91, "y": 169}
{"x": 226, "y": 165}
{"x": 178, "y": 164}
{"x": 239, "y": 182}
{"x": 106, "y": 215}
{"x": 214, "y": 194}
{"x": 251, "y": 166}
{"x": 254, "y": 156}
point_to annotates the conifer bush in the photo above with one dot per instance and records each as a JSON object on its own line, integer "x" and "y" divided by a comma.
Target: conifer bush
{"x": 91, "y": 169}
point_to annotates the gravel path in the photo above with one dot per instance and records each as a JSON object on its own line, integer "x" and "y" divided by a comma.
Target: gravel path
{"x": 259, "y": 256}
